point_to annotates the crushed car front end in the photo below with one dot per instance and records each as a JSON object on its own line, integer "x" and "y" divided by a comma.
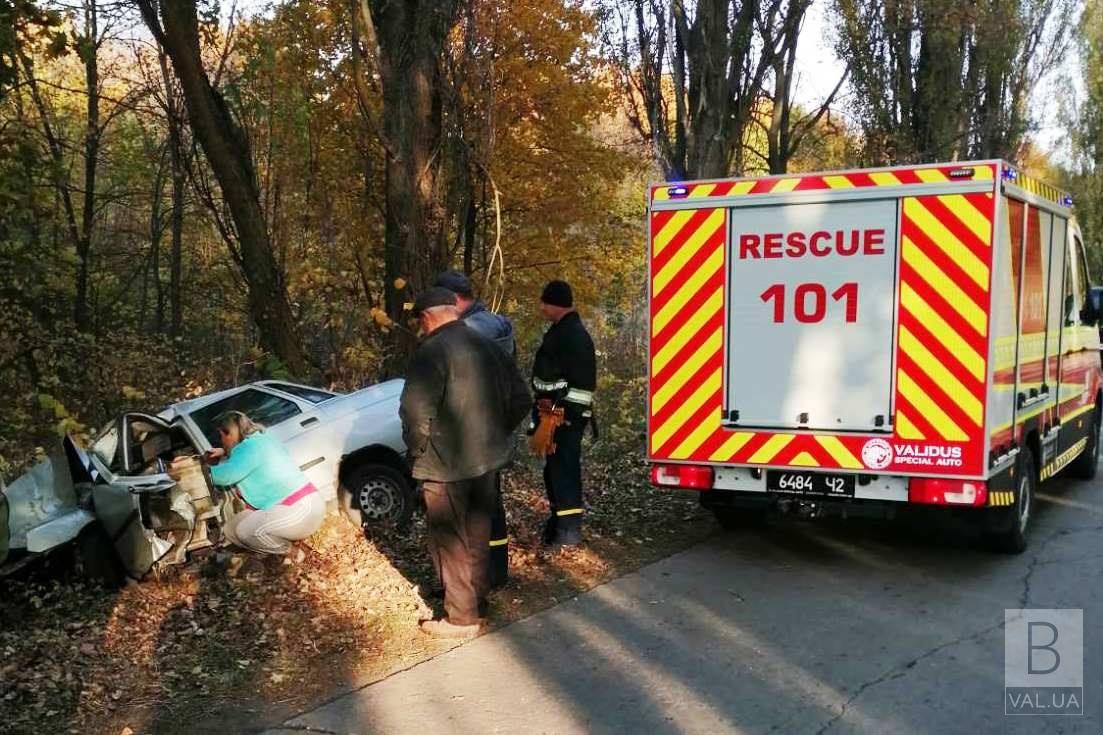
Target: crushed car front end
{"x": 42, "y": 510}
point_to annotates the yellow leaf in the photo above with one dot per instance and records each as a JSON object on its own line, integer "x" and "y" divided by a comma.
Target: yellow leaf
{"x": 133, "y": 394}
{"x": 380, "y": 317}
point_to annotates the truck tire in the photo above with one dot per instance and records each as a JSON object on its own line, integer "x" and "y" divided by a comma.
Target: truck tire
{"x": 97, "y": 559}
{"x": 1085, "y": 466}
{"x": 1011, "y": 538}
{"x": 376, "y": 495}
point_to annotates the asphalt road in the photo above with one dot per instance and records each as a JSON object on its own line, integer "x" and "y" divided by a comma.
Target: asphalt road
{"x": 796, "y": 628}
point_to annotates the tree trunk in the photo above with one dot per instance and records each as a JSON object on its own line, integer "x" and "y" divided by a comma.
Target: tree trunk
{"x": 713, "y": 72}
{"x": 411, "y": 35}
{"x": 227, "y": 151}
{"x": 82, "y": 313}
{"x": 156, "y": 232}
{"x": 470, "y": 224}
{"x": 179, "y": 181}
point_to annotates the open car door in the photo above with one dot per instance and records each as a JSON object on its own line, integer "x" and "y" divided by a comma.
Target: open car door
{"x": 131, "y": 475}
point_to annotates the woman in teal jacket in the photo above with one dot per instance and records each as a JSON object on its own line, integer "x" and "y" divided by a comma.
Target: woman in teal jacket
{"x": 283, "y": 506}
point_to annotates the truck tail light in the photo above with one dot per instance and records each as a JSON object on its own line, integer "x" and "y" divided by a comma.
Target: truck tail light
{"x": 947, "y": 492}
{"x": 689, "y": 477}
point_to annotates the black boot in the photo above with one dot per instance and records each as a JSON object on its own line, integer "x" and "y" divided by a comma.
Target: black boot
{"x": 550, "y": 529}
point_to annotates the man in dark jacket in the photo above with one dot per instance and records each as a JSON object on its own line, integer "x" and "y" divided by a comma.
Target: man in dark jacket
{"x": 564, "y": 376}
{"x": 462, "y": 401}
{"x": 499, "y": 329}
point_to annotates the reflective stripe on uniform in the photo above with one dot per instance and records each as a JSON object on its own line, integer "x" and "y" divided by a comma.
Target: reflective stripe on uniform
{"x": 569, "y": 512}
{"x": 499, "y": 541}
{"x": 577, "y": 395}
{"x": 548, "y": 387}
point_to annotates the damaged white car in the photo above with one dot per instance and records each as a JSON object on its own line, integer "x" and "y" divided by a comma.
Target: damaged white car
{"x": 117, "y": 503}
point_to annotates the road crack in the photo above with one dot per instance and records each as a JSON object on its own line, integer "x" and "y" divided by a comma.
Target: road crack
{"x": 899, "y": 672}
{"x": 1036, "y": 561}
{"x": 303, "y": 728}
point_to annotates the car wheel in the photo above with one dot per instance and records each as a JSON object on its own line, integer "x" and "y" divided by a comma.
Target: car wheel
{"x": 97, "y": 559}
{"x": 1012, "y": 537}
{"x": 1085, "y": 466}
{"x": 377, "y": 495}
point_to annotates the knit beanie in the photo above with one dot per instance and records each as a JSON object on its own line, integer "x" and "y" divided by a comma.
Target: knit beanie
{"x": 558, "y": 293}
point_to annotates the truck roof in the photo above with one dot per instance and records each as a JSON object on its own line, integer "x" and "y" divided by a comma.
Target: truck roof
{"x": 684, "y": 193}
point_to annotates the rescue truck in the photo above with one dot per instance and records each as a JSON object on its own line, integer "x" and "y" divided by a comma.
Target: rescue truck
{"x": 867, "y": 341}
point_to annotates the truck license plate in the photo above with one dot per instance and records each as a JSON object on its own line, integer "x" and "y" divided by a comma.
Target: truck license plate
{"x": 810, "y": 483}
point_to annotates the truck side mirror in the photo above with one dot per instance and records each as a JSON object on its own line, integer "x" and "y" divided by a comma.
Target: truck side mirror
{"x": 1092, "y": 312}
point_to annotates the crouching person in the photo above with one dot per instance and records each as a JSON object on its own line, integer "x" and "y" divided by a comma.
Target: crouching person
{"x": 462, "y": 401}
{"x": 283, "y": 506}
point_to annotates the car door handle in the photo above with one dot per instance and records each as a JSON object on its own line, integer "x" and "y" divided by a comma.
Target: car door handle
{"x": 312, "y": 463}
{"x": 309, "y": 422}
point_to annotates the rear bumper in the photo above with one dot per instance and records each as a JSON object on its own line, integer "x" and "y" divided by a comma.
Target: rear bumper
{"x": 867, "y": 488}
{"x": 984, "y": 519}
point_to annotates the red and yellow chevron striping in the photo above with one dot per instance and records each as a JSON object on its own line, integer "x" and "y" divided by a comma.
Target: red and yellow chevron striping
{"x": 687, "y": 325}
{"x": 818, "y": 182}
{"x": 942, "y": 340}
{"x": 942, "y": 328}
{"x": 1041, "y": 189}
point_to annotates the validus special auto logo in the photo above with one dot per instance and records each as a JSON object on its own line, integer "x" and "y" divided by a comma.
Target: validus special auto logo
{"x": 877, "y": 454}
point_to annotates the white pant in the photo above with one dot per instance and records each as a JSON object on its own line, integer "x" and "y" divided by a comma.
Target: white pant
{"x": 272, "y": 531}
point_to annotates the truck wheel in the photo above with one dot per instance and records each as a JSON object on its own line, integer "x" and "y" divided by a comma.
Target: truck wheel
{"x": 376, "y": 495}
{"x": 1011, "y": 539}
{"x": 97, "y": 559}
{"x": 1084, "y": 467}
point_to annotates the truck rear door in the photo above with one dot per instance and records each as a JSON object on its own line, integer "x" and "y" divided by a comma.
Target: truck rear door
{"x": 810, "y": 315}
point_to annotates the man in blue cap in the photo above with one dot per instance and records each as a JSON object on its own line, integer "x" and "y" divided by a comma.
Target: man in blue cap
{"x": 499, "y": 330}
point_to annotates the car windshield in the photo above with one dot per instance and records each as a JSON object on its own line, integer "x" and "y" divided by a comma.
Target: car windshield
{"x": 106, "y": 445}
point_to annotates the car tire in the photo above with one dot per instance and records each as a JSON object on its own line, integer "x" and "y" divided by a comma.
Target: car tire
{"x": 377, "y": 495}
{"x": 1014, "y": 522}
{"x": 1086, "y": 465}
{"x": 97, "y": 559}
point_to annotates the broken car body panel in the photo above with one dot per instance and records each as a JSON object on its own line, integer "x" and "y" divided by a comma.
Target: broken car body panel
{"x": 152, "y": 519}
{"x": 40, "y": 509}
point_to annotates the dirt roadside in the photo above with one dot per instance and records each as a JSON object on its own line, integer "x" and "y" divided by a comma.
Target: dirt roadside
{"x": 199, "y": 651}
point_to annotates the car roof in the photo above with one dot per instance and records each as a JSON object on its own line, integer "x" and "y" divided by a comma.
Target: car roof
{"x": 183, "y": 408}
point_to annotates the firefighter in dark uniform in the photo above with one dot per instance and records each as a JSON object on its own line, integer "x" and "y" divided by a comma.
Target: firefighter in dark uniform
{"x": 461, "y": 404}
{"x": 564, "y": 376}
{"x": 499, "y": 330}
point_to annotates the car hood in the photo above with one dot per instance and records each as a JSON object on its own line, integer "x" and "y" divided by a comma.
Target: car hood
{"x": 46, "y": 491}
{"x": 390, "y": 390}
